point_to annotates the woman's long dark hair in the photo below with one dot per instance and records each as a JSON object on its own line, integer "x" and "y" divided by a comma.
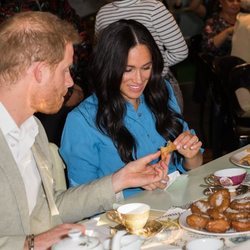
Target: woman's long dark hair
{"x": 108, "y": 65}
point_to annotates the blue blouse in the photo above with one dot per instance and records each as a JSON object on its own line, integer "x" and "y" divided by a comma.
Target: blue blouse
{"x": 89, "y": 154}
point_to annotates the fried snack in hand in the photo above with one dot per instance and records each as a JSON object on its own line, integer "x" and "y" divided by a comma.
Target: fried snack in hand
{"x": 167, "y": 150}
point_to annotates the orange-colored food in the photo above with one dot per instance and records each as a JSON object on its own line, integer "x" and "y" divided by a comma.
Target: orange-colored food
{"x": 233, "y": 214}
{"x": 197, "y": 221}
{"x": 241, "y": 204}
{"x": 200, "y": 207}
{"x": 220, "y": 200}
{"x": 215, "y": 214}
{"x": 167, "y": 150}
{"x": 241, "y": 225}
{"x": 218, "y": 226}
{"x": 218, "y": 213}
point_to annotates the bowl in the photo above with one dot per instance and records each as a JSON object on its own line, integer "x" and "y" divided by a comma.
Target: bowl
{"x": 205, "y": 244}
{"x": 230, "y": 176}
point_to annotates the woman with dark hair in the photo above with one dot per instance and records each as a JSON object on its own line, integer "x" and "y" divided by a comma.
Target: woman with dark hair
{"x": 219, "y": 28}
{"x": 132, "y": 112}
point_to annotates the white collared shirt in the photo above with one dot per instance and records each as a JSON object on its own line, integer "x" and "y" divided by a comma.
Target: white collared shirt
{"x": 20, "y": 141}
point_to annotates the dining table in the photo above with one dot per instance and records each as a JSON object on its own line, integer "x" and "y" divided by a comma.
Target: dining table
{"x": 175, "y": 199}
{"x": 187, "y": 187}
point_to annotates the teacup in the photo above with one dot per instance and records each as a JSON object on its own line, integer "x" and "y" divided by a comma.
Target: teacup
{"x": 228, "y": 177}
{"x": 205, "y": 244}
{"x": 134, "y": 216}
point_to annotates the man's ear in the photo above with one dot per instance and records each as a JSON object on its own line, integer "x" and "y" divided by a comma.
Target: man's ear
{"x": 39, "y": 71}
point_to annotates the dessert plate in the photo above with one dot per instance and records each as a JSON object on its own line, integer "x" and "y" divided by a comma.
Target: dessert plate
{"x": 238, "y": 158}
{"x": 183, "y": 224}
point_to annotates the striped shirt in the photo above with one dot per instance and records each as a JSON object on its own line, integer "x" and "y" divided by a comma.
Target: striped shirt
{"x": 159, "y": 21}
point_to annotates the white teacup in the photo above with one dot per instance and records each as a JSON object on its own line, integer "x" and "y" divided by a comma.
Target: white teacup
{"x": 134, "y": 216}
{"x": 205, "y": 244}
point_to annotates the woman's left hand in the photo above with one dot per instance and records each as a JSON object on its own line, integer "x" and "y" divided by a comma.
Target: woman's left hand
{"x": 188, "y": 144}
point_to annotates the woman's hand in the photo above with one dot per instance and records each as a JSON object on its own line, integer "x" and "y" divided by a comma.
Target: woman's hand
{"x": 188, "y": 145}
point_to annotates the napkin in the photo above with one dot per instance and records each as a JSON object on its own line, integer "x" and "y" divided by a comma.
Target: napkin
{"x": 102, "y": 232}
{"x": 172, "y": 177}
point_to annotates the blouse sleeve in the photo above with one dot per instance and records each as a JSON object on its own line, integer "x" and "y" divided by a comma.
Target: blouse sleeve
{"x": 175, "y": 47}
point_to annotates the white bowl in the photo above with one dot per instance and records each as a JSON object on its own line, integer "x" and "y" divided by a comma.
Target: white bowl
{"x": 205, "y": 244}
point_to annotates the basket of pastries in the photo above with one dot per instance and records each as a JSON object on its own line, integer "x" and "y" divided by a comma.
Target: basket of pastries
{"x": 220, "y": 213}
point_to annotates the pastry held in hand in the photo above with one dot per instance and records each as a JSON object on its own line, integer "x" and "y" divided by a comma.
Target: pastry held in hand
{"x": 167, "y": 150}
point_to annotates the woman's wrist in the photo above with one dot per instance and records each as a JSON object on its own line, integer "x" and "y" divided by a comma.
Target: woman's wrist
{"x": 193, "y": 162}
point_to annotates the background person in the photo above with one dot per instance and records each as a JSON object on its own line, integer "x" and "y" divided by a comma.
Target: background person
{"x": 241, "y": 36}
{"x": 162, "y": 25}
{"x": 132, "y": 112}
{"x": 37, "y": 51}
{"x": 218, "y": 31}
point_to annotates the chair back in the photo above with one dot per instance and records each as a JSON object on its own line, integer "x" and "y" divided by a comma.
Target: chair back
{"x": 239, "y": 101}
{"x": 224, "y": 138}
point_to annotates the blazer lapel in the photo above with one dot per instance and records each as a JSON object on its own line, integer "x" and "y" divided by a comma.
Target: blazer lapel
{"x": 46, "y": 176}
{"x": 9, "y": 167}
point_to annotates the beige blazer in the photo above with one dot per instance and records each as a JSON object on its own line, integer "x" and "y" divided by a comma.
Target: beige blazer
{"x": 73, "y": 204}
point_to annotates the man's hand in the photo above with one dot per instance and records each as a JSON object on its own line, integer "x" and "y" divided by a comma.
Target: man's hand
{"x": 140, "y": 173}
{"x": 47, "y": 239}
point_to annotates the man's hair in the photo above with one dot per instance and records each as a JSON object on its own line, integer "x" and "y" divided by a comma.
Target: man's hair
{"x": 29, "y": 37}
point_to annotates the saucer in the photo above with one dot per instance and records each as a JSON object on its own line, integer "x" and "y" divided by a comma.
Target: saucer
{"x": 151, "y": 228}
{"x": 239, "y": 189}
{"x": 113, "y": 215}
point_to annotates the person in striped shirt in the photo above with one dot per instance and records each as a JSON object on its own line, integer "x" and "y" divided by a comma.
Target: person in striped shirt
{"x": 159, "y": 21}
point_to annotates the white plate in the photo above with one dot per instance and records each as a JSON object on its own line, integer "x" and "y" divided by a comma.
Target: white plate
{"x": 238, "y": 156}
{"x": 183, "y": 223}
